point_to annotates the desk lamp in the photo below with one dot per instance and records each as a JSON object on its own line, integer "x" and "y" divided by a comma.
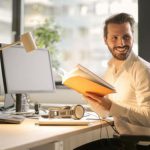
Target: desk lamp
{"x": 26, "y": 39}
{"x": 29, "y": 44}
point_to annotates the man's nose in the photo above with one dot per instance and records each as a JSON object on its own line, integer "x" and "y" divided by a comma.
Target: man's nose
{"x": 121, "y": 42}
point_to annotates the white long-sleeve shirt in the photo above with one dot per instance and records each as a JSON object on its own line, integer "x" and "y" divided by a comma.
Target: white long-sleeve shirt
{"x": 131, "y": 102}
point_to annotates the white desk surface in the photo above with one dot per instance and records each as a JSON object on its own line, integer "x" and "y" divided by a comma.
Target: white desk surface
{"x": 28, "y": 134}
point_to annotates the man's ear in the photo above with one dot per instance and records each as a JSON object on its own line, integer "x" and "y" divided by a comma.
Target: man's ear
{"x": 105, "y": 39}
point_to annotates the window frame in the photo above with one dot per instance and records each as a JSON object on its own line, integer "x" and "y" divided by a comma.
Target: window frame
{"x": 143, "y": 27}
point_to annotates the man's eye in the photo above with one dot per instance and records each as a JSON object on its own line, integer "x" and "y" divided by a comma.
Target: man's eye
{"x": 114, "y": 38}
{"x": 126, "y": 37}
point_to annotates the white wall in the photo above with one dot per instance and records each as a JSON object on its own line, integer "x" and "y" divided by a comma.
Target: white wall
{"x": 59, "y": 96}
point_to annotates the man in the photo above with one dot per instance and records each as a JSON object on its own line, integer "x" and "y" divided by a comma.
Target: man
{"x": 130, "y": 105}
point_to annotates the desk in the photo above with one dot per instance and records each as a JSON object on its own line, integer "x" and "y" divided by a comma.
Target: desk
{"x": 30, "y": 136}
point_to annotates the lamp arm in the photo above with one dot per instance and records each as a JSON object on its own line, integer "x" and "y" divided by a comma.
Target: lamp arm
{"x": 9, "y": 45}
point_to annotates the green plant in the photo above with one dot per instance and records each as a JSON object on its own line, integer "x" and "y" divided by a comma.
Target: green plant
{"x": 47, "y": 35}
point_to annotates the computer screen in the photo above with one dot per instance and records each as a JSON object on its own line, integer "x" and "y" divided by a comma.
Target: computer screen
{"x": 27, "y": 72}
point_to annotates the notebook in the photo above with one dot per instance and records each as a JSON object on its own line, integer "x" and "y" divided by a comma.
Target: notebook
{"x": 62, "y": 121}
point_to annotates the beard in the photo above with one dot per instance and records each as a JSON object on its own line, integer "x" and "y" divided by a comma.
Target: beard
{"x": 120, "y": 53}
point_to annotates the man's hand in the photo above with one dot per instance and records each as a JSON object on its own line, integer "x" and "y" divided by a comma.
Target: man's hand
{"x": 96, "y": 100}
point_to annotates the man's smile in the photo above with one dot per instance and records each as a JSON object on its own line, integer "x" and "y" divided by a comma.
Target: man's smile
{"x": 121, "y": 50}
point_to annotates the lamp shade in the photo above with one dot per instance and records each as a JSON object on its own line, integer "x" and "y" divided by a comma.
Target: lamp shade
{"x": 28, "y": 41}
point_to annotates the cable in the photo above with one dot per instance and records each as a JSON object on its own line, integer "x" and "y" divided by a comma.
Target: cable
{"x": 101, "y": 128}
{"x": 112, "y": 126}
{"x": 99, "y": 118}
{"x": 107, "y": 132}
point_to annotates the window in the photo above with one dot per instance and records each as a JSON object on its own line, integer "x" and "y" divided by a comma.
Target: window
{"x": 81, "y": 23}
{"x": 6, "y": 35}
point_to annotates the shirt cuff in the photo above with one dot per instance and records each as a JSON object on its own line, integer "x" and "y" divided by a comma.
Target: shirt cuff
{"x": 117, "y": 110}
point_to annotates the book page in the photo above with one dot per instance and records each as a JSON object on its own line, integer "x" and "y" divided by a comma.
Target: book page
{"x": 84, "y": 72}
{"x": 83, "y": 85}
{"x": 95, "y": 77}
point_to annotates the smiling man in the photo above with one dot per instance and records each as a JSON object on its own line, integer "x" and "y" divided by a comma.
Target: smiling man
{"x": 130, "y": 105}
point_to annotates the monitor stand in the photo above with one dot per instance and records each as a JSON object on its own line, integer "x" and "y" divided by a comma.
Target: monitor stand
{"x": 18, "y": 102}
{"x": 22, "y": 104}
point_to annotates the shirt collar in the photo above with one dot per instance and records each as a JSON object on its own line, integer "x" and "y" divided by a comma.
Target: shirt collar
{"x": 127, "y": 63}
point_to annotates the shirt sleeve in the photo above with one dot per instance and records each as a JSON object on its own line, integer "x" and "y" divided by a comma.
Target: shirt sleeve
{"x": 136, "y": 115}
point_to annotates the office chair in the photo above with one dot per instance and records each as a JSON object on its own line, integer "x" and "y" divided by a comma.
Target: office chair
{"x": 134, "y": 142}
{"x": 119, "y": 142}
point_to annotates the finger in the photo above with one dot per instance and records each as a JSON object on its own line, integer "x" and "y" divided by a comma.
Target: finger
{"x": 94, "y": 97}
{"x": 96, "y": 94}
{"x": 92, "y": 101}
{"x": 89, "y": 98}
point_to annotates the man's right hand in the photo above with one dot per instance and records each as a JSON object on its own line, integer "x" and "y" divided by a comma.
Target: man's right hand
{"x": 98, "y": 103}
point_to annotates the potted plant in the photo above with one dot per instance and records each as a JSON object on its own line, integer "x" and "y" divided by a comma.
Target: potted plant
{"x": 47, "y": 35}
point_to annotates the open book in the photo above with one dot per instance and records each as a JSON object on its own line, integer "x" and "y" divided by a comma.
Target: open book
{"x": 83, "y": 80}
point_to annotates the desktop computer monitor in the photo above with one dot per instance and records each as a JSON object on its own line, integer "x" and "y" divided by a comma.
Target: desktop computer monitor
{"x": 26, "y": 72}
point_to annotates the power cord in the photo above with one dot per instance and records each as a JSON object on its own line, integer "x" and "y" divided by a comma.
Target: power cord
{"x": 99, "y": 118}
{"x": 111, "y": 125}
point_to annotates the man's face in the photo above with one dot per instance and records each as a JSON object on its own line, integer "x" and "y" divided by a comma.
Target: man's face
{"x": 119, "y": 40}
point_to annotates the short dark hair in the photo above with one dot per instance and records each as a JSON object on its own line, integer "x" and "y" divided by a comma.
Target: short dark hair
{"x": 119, "y": 19}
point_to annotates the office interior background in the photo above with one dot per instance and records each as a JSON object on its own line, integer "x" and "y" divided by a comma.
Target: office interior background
{"x": 80, "y": 26}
